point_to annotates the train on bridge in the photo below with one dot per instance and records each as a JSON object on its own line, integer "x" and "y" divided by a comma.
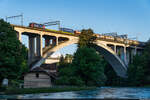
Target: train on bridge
{"x": 106, "y": 36}
{"x": 36, "y": 25}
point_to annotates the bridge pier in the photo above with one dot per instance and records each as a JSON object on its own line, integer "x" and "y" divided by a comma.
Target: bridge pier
{"x": 115, "y": 48}
{"x": 135, "y": 50}
{"x": 47, "y": 41}
{"x": 121, "y": 52}
{"x": 55, "y": 41}
{"x": 50, "y": 40}
{"x": 118, "y": 51}
{"x": 39, "y": 45}
{"x": 19, "y": 36}
{"x": 125, "y": 55}
{"x": 128, "y": 56}
{"x": 31, "y": 52}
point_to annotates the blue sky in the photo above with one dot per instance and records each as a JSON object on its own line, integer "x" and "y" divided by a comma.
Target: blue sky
{"x": 130, "y": 17}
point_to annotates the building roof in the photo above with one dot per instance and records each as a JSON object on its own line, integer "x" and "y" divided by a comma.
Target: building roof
{"x": 43, "y": 69}
{"x": 49, "y": 66}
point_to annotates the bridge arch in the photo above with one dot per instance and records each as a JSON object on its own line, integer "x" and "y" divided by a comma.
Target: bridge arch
{"x": 117, "y": 64}
{"x": 114, "y": 60}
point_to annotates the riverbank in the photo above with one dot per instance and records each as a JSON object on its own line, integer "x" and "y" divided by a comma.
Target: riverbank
{"x": 45, "y": 90}
{"x": 98, "y": 93}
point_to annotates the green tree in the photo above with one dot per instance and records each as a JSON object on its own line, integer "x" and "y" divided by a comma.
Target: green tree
{"x": 138, "y": 71}
{"x": 61, "y": 60}
{"x": 86, "y": 38}
{"x": 68, "y": 58}
{"x": 67, "y": 76}
{"x": 112, "y": 78}
{"x": 89, "y": 66}
{"x": 13, "y": 60}
{"x": 87, "y": 69}
{"x": 146, "y": 62}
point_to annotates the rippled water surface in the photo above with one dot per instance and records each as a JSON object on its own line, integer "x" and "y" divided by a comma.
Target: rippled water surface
{"x": 103, "y": 92}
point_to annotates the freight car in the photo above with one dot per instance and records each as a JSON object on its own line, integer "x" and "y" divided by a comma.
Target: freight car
{"x": 76, "y": 32}
{"x": 67, "y": 30}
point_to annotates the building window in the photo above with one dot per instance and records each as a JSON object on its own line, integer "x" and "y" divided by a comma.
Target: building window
{"x": 37, "y": 75}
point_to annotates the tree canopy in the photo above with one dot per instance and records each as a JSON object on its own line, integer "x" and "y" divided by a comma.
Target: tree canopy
{"x": 13, "y": 60}
{"x": 86, "y": 38}
{"x": 139, "y": 70}
{"x": 87, "y": 67}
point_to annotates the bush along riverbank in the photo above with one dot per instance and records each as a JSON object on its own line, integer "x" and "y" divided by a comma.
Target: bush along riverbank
{"x": 45, "y": 90}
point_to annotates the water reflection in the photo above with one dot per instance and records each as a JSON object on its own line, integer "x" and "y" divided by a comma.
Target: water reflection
{"x": 103, "y": 92}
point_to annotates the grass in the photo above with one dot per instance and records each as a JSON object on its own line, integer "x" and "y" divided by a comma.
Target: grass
{"x": 59, "y": 31}
{"x": 45, "y": 90}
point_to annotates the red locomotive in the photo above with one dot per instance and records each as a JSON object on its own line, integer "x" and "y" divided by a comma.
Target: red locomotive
{"x": 35, "y": 25}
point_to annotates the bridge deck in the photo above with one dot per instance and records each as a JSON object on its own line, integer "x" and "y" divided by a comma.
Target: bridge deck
{"x": 102, "y": 37}
{"x": 45, "y": 30}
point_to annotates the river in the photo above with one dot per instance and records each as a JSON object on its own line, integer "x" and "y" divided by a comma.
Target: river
{"x": 99, "y": 93}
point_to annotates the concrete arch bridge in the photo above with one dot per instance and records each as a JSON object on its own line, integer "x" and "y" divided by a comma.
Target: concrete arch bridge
{"x": 118, "y": 53}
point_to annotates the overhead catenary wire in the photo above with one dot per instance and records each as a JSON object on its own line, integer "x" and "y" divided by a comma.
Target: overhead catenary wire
{"x": 16, "y": 16}
{"x": 52, "y": 23}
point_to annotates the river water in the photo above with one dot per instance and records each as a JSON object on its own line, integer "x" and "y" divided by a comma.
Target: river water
{"x": 99, "y": 93}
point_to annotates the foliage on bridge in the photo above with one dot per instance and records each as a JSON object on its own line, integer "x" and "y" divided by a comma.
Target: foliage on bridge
{"x": 86, "y": 38}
